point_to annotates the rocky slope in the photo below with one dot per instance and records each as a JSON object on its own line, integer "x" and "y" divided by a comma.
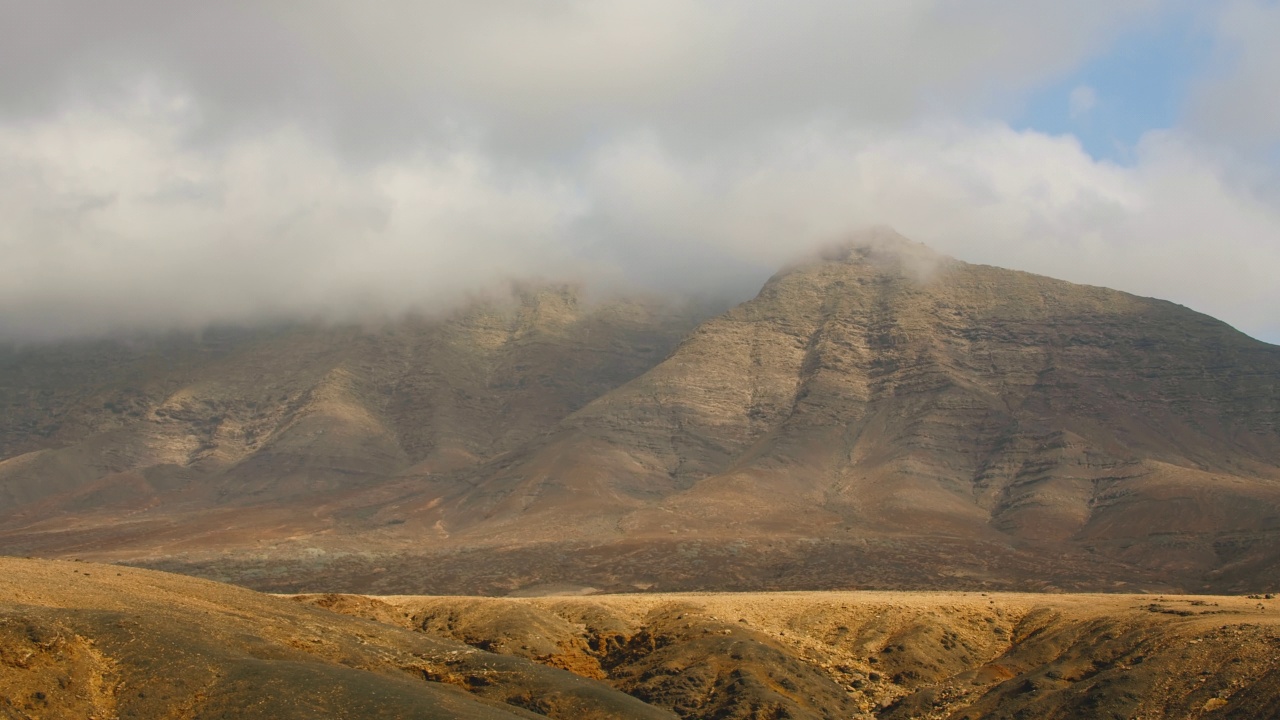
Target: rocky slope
{"x": 880, "y": 416}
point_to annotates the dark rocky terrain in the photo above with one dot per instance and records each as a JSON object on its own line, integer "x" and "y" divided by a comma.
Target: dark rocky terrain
{"x": 881, "y": 416}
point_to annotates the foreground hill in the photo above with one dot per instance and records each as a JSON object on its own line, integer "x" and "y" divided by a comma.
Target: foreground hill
{"x": 79, "y": 640}
{"x": 83, "y": 640}
{"x": 880, "y": 416}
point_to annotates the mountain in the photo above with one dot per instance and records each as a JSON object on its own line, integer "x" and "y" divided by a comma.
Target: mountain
{"x": 240, "y": 436}
{"x": 878, "y": 416}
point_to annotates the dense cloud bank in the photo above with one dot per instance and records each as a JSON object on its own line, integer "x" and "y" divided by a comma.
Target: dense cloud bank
{"x": 171, "y": 164}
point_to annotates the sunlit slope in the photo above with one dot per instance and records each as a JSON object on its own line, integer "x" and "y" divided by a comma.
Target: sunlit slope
{"x": 79, "y": 640}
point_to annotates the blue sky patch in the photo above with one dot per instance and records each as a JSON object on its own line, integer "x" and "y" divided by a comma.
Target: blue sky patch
{"x": 1141, "y": 84}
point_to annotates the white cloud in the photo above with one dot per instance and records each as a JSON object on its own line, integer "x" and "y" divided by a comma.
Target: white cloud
{"x": 110, "y": 220}
{"x": 137, "y": 228}
{"x": 1178, "y": 224}
{"x": 176, "y": 163}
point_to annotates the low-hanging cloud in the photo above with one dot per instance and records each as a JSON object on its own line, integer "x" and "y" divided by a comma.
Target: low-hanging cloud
{"x": 112, "y": 222}
{"x": 167, "y": 164}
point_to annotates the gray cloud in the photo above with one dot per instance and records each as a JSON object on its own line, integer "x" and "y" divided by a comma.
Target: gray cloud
{"x": 547, "y": 75}
{"x": 1238, "y": 101}
{"x": 179, "y": 163}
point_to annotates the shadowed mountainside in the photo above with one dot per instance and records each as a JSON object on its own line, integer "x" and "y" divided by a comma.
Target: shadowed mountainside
{"x": 879, "y": 416}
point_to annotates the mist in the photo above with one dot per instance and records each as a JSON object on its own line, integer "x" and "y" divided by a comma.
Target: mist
{"x": 170, "y": 165}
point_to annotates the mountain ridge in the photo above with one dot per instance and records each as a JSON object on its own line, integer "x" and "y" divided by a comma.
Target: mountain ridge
{"x": 879, "y": 403}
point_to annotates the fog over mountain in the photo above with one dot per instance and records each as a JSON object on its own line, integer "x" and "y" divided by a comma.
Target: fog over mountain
{"x": 176, "y": 163}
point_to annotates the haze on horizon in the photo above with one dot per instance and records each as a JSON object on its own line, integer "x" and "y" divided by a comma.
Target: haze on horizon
{"x": 172, "y": 164}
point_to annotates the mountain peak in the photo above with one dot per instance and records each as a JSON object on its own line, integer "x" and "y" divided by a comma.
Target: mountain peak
{"x": 880, "y": 414}
{"x": 880, "y": 249}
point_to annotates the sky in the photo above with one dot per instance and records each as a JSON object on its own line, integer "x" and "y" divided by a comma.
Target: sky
{"x": 170, "y": 164}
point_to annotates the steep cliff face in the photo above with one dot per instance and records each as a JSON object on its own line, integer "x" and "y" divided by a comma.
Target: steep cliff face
{"x": 881, "y": 415}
